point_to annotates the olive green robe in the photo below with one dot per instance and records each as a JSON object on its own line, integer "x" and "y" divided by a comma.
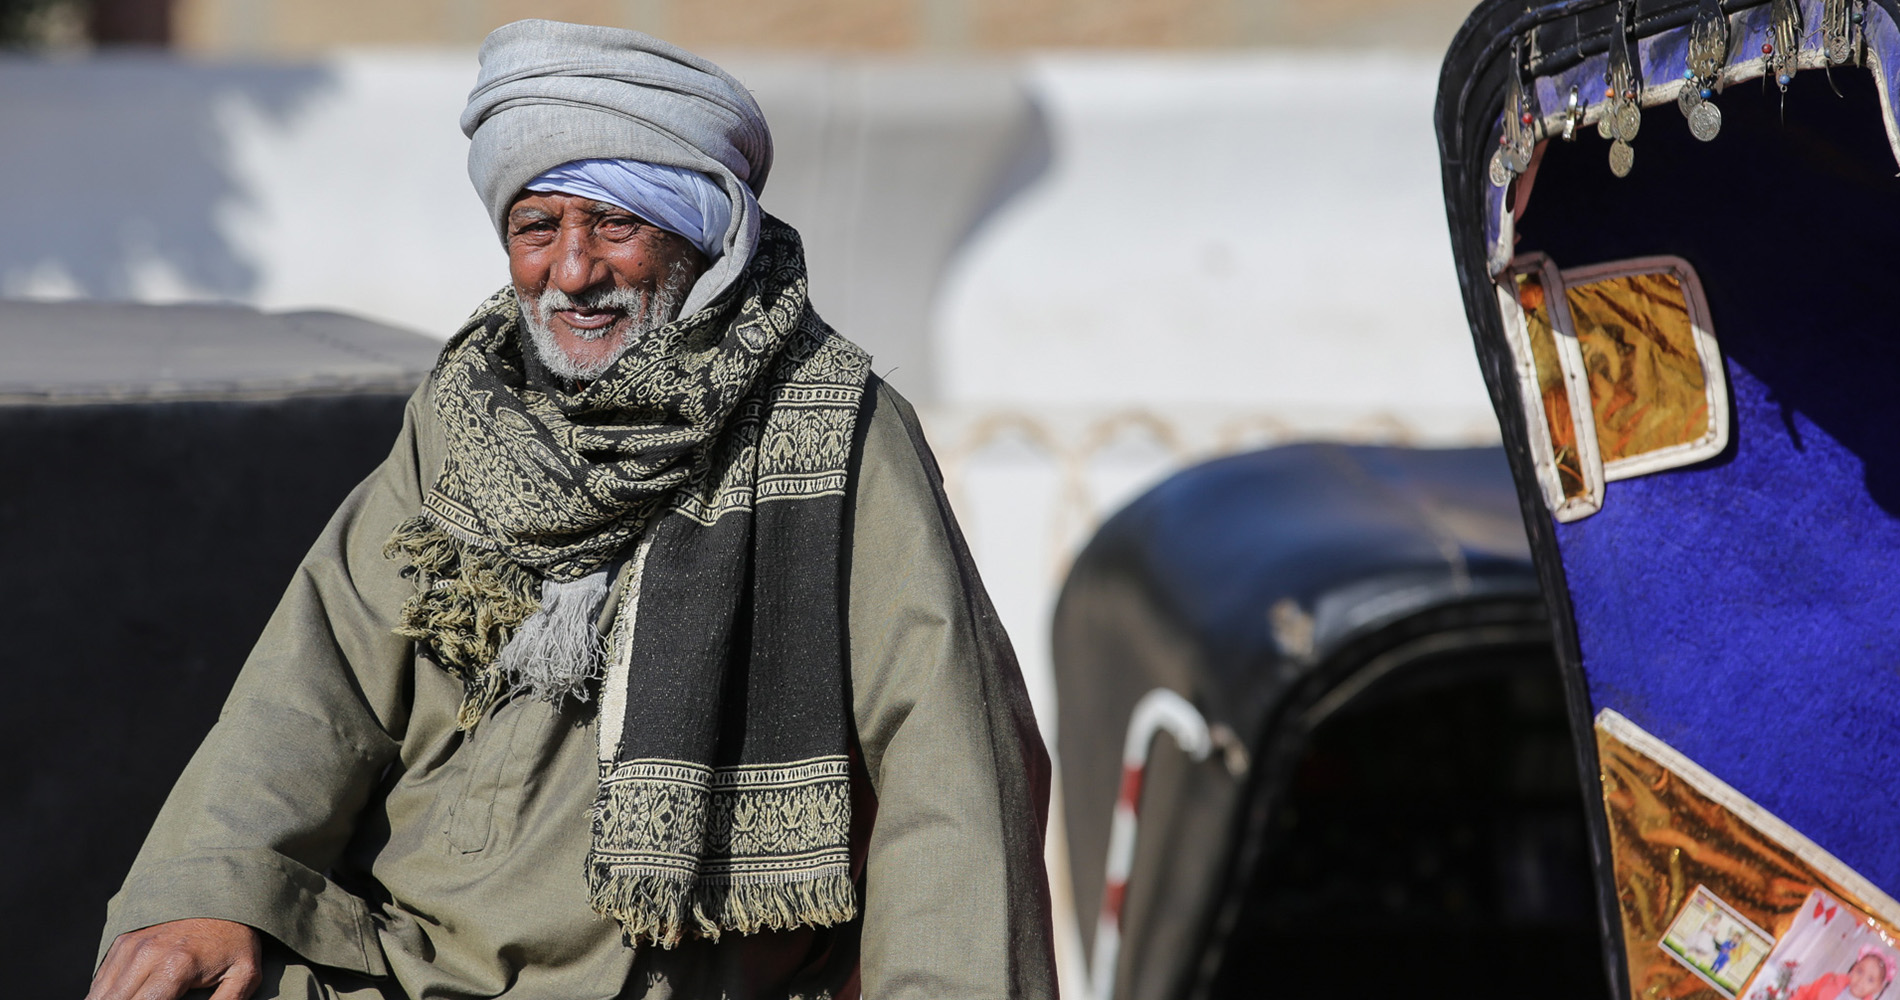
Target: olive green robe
{"x": 336, "y": 807}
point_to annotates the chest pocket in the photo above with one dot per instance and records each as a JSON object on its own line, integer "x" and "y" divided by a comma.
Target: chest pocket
{"x": 495, "y": 759}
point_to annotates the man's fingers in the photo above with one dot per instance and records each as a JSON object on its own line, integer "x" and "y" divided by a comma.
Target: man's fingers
{"x": 168, "y": 979}
{"x": 117, "y": 986}
{"x": 126, "y": 976}
{"x": 238, "y": 984}
{"x": 105, "y": 982}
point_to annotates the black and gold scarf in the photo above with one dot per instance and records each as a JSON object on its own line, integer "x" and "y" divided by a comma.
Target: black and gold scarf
{"x": 712, "y": 461}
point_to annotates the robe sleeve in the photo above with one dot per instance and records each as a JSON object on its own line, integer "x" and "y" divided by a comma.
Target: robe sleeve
{"x": 955, "y": 904}
{"x": 267, "y": 803}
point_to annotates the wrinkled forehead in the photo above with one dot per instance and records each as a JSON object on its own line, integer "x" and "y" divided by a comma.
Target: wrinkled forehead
{"x": 553, "y": 204}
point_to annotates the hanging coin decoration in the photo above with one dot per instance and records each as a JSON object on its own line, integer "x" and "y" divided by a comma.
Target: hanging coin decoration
{"x": 1705, "y": 121}
{"x": 1840, "y": 30}
{"x": 1518, "y": 141}
{"x": 1629, "y": 121}
{"x": 1623, "y": 111}
{"x": 1708, "y": 50}
{"x": 1622, "y": 157}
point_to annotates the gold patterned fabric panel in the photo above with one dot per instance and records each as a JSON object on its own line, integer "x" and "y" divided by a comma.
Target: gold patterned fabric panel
{"x": 1671, "y": 847}
{"x": 1647, "y": 385}
{"x": 1542, "y": 333}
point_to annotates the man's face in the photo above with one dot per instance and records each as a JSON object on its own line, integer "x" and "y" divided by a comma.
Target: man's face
{"x": 593, "y": 278}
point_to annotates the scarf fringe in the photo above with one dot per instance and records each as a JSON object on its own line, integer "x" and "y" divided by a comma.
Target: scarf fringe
{"x": 665, "y": 911}
{"x": 558, "y": 651}
{"x": 468, "y": 604}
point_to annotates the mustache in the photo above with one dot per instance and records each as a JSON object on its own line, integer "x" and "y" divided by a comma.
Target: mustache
{"x": 646, "y": 312}
{"x": 632, "y": 301}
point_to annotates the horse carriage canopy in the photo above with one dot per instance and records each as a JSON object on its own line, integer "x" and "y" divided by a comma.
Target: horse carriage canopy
{"x": 1674, "y": 228}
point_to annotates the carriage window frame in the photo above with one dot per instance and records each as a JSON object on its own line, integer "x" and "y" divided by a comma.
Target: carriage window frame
{"x": 1714, "y": 378}
{"x": 1594, "y": 472}
{"x": 1531, "y": 393}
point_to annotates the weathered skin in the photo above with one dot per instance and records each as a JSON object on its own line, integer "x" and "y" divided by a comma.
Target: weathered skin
{"x": 173, "y": 958}
{"x": 579, "y": 245}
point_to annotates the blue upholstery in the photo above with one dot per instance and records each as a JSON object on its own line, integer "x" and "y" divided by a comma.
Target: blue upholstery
{"x": 1747, "y": 610}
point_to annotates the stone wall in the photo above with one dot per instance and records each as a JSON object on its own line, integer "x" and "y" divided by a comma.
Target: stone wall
{"x": 303, "y": 26}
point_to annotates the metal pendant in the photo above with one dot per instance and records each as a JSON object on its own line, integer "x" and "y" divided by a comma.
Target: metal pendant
{"x": 1705, "y": 121}
{"x": 1622, "y": 157}
{"x": 1690, "y": 97}
{"x": 1782, "y": 53}
{"x": 1623, "y": 115}
{"x": 1840, "y": 30}
{"x": 1708, "y": 52}
{"x": 1573, "y": 113}
{"x": 1708, "y": 41}
{"x": 1629, "y": 121}
{"x": 1518, "y": 143}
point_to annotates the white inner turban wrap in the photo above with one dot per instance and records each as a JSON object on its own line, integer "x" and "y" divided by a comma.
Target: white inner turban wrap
{"x": 551, "y": 93}
{"x": 681, "y": 201}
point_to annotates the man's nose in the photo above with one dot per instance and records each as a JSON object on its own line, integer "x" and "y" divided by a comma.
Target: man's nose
{"x": 577, "y": 265}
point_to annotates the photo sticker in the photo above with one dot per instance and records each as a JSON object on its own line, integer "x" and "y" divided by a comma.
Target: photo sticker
{"x": 1831, "y": 952}
{"x": 1718, "y": 944}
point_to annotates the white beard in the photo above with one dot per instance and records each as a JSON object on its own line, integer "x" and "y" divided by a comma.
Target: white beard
{"x": 646, "y": 312}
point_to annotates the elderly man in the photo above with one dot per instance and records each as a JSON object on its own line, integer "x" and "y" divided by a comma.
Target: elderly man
{"x": 650, "y": 663}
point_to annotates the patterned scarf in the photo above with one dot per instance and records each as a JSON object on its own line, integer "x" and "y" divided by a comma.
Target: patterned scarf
{"x": 712, "y": 462}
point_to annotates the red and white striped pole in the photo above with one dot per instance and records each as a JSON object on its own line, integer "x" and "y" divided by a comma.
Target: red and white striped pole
{"x": 1157, "y": 711}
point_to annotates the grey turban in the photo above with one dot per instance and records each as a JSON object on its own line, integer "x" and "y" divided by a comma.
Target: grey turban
{"x": 550, "y": 92}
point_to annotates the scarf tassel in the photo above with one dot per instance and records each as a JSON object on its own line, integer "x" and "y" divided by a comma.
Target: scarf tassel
{"x": 467, "y": 606}
{"x": 665, "y": 911}
{"x": 558, "y": 650}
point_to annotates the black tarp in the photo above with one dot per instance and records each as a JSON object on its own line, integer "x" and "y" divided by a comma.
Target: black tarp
{"x": 166, "y": 467}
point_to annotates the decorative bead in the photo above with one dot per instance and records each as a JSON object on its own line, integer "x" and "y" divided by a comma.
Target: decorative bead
{"x": 1629, "y": 95}
{"x": 1504, "y": 140}
{"x": 1707, "y": 93}
{"x": 1525, "y": 118}
{"x": 1767, "y": 49}
{"x": 1784, "y": 79}
{"x": 1609, "y": 93}
{"x": 1856, "y": 17}
{"x": 1688, "y": 74}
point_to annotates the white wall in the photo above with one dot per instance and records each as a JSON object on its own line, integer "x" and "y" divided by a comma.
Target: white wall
{"x": 1225, "y": 251}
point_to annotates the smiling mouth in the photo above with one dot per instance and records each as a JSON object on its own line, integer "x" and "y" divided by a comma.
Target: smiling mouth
{"x": 591, "y": 324}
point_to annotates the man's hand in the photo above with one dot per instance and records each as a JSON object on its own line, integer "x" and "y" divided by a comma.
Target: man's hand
{"x": 165, "y": 961}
